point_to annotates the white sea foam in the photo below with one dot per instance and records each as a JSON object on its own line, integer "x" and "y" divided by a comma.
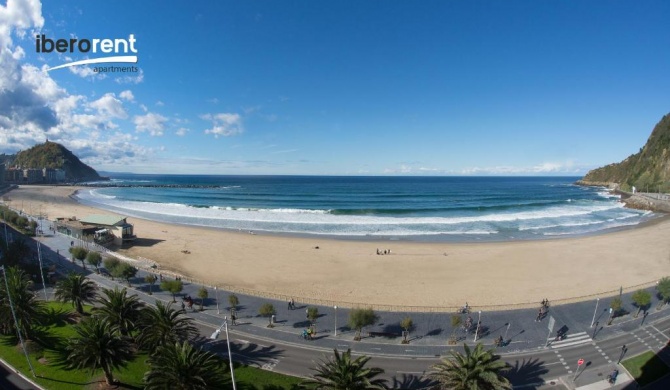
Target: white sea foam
{"x": 573, "y": 216}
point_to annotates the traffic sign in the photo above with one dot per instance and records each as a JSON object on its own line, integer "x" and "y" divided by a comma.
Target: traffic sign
{"x": 551, "y": 324}
{"x": 580, "y": 362}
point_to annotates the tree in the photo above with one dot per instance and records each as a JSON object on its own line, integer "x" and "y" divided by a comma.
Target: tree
{"x": 94, "y": 259}
{"x": 111, "y": 264}
{"x": 267, "y": 310}
{"x": 151, "y": 279}
{"x": 477, "y": 369}
{"x": 97, "y": 346}
{"x": 663, "y": 288}
{"x": 27, "y": 307}
{"x": 181, "y": 366}
{"x": 163, "y": 325}
{"x": 233, "y": 301}
{"x": 312, "y": 314}
{"x": 202, "y": 294}
{"x": 406, "y": 324}
{"x": 128, "y": 272}
{"x": 173, "y": 286}
{"x": 642, "y": 300}
{"x": 343, "y": 373}
{"x": 15, "y": 253}
{"x": 615, "y": 306}
{"x": 119, "y": 309}
{"x": 359, "y": 319}
{"x": 456, "y": 321}
{"x": 79, "y": 253}
{"x": 77, "y": 289}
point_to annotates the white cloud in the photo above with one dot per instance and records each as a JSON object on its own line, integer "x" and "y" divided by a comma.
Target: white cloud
{"x": 127, "y": 95}
{"x": 151, "y": 122}
{"x": 130, "y": 79}
{"x": 160, "y": 103}
{"x": 568, "y": 167}
{"x": 182, "y": 131}
{"x": 109, "y": 106}
{"x": 87, "y": 71}
{"x": 224, "y": 124}
{"x": 19, "y": 16}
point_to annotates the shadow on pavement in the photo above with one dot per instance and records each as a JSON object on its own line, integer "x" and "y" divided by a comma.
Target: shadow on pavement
{"x": 527, "y": 372}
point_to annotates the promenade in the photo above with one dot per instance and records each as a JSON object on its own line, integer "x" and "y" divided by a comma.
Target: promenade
{"x": 522, "y": 333}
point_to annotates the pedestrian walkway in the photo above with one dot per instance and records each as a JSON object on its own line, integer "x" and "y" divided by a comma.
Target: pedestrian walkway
{"x": 570, "y": 340}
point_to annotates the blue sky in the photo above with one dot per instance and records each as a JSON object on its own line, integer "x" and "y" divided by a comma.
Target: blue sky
{"x": 342, "y": 87}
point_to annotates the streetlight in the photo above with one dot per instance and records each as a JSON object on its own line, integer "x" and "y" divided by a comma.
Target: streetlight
{"x": 216, "y": 294}
{"x": 479, "y": 321}
{"x": 594, "y": 312}
{"x": 335, "y": 307}
{"x": 16, "y": 322}
{"x": 39, "y": 257}
{"x": 215, "y": 336}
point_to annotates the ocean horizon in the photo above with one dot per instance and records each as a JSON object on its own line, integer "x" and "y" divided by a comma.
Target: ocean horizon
{"x": 423, "y": 208}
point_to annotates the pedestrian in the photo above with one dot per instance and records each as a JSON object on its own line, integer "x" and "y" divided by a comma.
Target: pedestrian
{"x": 183, "y": 306}
{"x": 233, "y": 318}
{"x": 71, "y": 243}
{"x": 539, "y": 316}
{"x": 289, "y": 305}
{"x": 292, "y": 304}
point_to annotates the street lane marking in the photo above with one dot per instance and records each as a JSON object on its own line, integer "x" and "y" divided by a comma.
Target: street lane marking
{"x": 660, "y": 332}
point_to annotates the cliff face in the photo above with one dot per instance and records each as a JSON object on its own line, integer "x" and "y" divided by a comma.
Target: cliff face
{"x": 56, "y": 156}
{"x": 647, "y": 170}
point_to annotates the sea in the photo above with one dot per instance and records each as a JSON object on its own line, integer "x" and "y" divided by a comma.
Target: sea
{"x": 379, "y": 208}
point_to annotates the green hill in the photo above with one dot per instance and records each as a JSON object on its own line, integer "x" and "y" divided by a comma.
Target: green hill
{"x": 56, "y": 156}
{"x": 647, "y": 170}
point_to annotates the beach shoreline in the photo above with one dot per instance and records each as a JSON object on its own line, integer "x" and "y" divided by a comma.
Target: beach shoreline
{"x": 416, "y": 274}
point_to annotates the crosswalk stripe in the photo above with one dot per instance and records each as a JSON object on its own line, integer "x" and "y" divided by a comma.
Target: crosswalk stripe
{"x": 570, "y": 340}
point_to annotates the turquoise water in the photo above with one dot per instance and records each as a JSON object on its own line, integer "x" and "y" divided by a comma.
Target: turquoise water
{"x": 423, "y": 208}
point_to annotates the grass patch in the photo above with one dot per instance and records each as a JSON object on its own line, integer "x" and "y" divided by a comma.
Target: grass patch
{"x": 45, "y": 355}
{"x": 646, "y": 368}
{"x": 265, "y": 380}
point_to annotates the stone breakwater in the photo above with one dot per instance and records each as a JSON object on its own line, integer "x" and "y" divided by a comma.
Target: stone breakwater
{"x": 639, "y": 201}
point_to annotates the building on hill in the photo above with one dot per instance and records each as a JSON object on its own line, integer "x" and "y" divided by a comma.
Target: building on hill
{"x": 2, "y": 175}
{"x": 33, "y": 175}
{"x": 101, "y": 228}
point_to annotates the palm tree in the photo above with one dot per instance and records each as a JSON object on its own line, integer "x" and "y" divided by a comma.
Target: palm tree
{"x": 180, "y": 366}
{"x": 119, "y": 309}
{"x": 77, "y": 289}
{"x": 477, "y": 369}
{"x": 163, "y": 325}
{"x": 27, "y": 307}
{"x": 97, "y": 346}
{"x": 342, "y": 373}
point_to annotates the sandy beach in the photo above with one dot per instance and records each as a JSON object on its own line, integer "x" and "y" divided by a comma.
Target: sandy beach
{"x": 414, "y": 274}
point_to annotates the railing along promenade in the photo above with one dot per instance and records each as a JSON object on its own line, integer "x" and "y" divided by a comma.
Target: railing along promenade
{"x": 154, "y": 267}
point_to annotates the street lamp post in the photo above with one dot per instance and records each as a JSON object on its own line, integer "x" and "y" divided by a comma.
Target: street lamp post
{"x": 215, "y": 336}
{"x": 44, "y": 284}
{"x": 335, "y": 307}
{"x": 216, "y": 294}
{"x": 16, "y": 322}
{"x": 594, "y": 312}
{"x": 479, "y": 321}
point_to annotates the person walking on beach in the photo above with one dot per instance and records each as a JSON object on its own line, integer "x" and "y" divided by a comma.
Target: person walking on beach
{"x": 292, "y": 304}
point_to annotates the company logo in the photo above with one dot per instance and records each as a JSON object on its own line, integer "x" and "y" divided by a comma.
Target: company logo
{"x": 115, "y": 46}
